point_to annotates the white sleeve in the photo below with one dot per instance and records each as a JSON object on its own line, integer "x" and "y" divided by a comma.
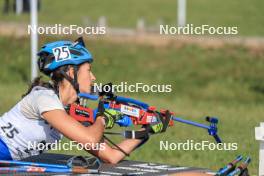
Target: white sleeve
{"x": 46, "y": 100}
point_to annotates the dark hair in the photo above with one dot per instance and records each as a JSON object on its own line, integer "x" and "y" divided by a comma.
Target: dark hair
{"x": 56, "y": 77}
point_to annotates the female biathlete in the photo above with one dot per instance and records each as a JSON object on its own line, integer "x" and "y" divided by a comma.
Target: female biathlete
{"x": 40, "y": 117}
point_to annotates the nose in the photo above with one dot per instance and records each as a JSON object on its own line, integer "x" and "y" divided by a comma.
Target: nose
{"x": 93, "y": 78}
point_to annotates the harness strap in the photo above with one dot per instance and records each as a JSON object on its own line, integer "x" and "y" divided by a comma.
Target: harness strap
{"x": 132, "y": 134}
{"x": 72, "y": 81}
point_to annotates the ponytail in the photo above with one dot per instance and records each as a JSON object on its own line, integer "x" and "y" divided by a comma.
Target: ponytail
{"x": 56, "y": 78}
{"x": 38, "y": 82}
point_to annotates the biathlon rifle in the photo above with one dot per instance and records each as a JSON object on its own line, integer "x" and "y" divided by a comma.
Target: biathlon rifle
{"x": 231, "y": 169}
{"x": 134, "y": 112}
{"x": 241, "y": 170}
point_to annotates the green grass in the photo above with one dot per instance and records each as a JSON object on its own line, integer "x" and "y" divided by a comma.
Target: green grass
{"x": 226, "y": 82}
{"x": 245, "y": 14}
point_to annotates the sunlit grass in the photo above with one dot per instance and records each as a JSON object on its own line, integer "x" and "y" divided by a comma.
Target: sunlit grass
{"x": 227, "y": 83}
{"x": 248, "y": 17}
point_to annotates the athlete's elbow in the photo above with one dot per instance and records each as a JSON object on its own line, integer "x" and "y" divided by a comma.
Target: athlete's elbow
{"x": 113, "y": 157}
{"x": 112, "y": 160}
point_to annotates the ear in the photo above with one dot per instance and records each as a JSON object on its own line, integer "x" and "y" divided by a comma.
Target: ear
{"x": 70, "y": 72}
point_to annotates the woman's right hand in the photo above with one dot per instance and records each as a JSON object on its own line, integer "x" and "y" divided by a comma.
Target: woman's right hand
{"x": 109, "y": 115}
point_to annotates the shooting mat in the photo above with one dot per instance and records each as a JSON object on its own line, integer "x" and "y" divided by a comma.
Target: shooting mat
{"x": 124, "y": 168}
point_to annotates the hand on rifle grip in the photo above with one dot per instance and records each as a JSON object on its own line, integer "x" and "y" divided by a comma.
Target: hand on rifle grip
{"x": 110, "y": 115}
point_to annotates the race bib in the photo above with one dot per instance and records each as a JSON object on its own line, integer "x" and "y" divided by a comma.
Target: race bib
{"x": 61, "y": 53}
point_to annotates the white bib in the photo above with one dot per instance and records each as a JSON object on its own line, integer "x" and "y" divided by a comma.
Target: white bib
{"x": 23, "y": 125}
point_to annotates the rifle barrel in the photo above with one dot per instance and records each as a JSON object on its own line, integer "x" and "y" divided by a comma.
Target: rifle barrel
{"x": 190, "y": 122}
